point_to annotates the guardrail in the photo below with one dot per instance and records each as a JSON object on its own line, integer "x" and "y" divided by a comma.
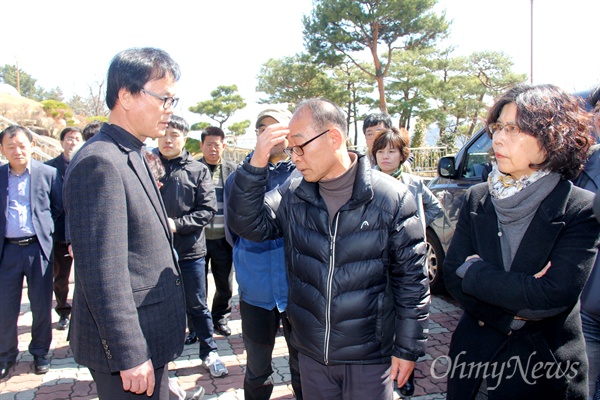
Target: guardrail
{"x": 424, "y": 164}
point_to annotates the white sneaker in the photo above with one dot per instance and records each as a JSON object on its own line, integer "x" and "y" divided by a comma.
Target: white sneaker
{"x": 213, "y": 363}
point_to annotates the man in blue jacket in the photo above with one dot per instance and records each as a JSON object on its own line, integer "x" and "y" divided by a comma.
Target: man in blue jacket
{"x": 262, "y": 281}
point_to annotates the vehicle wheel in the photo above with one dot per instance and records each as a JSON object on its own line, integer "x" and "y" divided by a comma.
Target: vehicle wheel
{"x": 435, "y": 260}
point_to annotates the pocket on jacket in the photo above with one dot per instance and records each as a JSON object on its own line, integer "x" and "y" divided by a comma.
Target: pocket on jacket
{"x": 146, "y": 296}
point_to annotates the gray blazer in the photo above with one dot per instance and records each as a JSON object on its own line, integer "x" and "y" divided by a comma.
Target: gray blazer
{"x": 46, "y": 203}
{"x": 128, "y": 303}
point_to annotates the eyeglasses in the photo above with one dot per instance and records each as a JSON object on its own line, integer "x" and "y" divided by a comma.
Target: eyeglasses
{"x": 168, "y": 101}
{"x": 510, "y": 129}
{"x": 298, "y": 150}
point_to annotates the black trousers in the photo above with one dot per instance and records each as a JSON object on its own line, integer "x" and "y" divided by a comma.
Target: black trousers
{"x": 110, "y": 386}
{"x": 259, "y": 329}
{"x": 62, "y": 269}
{"x": 345, "y": 381}
{"x": 219, "y": 255}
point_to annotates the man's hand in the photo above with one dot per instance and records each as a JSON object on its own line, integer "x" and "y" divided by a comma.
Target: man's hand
{"x": 172, "y": 225}
{"x": 401, "y": 370}
{"x": 274, "y": 134}
{"x": 139, "y": 379}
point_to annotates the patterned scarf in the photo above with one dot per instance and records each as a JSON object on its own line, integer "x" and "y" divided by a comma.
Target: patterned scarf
{"x": 502, "y": 186}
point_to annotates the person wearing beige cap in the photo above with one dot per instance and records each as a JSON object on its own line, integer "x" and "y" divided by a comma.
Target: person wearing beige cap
{"x": 262, "y": 280}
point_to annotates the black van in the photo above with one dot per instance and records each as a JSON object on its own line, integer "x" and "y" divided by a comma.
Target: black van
{"x": 456, "y": 174}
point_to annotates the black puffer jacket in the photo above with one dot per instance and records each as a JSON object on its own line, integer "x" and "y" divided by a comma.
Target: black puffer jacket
{"x": 358, "y": 289}
{"x": 189, "y": 196}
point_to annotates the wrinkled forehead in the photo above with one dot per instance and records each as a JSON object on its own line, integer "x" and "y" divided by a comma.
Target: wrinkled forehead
{"x": 300, "y": 127}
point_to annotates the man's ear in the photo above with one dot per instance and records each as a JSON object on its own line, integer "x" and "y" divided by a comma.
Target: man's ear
{"x": 125, "y": 99}
{"x": 337, "y": 138}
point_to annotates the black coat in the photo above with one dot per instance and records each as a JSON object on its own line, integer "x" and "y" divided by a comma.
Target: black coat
{"x": 358, "y": 290}
{"x": 61, "y": 166}
{"x": 189, "y": 196}
{"x": 562, "y": 231}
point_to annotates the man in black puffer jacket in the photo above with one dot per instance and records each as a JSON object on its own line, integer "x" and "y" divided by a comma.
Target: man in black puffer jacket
{"x": 355, "y": 255}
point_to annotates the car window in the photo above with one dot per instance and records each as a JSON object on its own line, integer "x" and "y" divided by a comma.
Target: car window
{"x": 477, "y": 158}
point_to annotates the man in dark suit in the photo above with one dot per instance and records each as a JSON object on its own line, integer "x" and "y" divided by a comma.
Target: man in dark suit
{"x": 128, "y": 316}
{"x": 70, "y": 139}
{"x": 30, "y": 200}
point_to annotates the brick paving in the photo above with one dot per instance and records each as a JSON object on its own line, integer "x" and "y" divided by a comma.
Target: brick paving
{"x": 68, "y": 380}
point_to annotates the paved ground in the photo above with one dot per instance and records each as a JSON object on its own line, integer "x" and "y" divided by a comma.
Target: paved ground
{"x": 67, "y": 380}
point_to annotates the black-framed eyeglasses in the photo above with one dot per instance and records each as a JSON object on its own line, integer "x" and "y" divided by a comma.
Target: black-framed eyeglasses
{"x": 168, "y": 101}
{"x": 299, "y": 150}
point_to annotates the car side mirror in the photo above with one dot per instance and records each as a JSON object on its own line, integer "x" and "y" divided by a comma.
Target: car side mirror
{"x": 446, "y": 168}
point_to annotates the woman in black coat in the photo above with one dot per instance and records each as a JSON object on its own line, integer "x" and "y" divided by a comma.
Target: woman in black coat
{"x": 523, "y": 248}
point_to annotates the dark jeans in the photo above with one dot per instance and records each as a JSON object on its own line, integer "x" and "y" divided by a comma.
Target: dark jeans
{"x": 193, "y": 273}
{"x": 345, "y": 381}
{"x": 259, "y": 328}
{"x": 110, "y": 386}
{"x": 219, "y": 255}
{"x": 18, "y": 262}
{"x": 61, "y": 270}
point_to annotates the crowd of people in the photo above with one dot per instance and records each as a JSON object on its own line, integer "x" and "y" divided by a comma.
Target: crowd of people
{"x": 327, "y": 243}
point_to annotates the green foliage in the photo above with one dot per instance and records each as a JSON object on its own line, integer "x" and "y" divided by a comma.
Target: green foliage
{"x": 463, "y": 91}
{"x": 337, "y": 30}
{"x": 192, "y": 146}
{"x": 57, "y": 110}
{"x": 294, "y": 78}
{"x": 224, "y": 103}
{"x": 27, "y": 85}
{"x": 238, "y": 128}
{"x": 101, "y": 118}
{"x": 199, "y": 126}
{"x": 418, "y": 136}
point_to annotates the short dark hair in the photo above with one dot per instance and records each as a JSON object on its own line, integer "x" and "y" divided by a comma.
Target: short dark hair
{"x": 133, "y": 68}
{"x": 594, "y": 97}
{"x": 324, "y": 112}
{"x": 375, "y": 119}
{"x": 555, "y": 118}
{"x": 212, "y": 131}
{"x": 395, "y": 138}
{"x": 68, "y": 129}
{"x": 91, "y": 129}
{"x": 12, "y": 130}
{"x": 179, "y": 123}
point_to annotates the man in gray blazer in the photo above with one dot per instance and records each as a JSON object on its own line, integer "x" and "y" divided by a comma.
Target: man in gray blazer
{"x": 30, "y": 203}
{"x": 128, "y": 316}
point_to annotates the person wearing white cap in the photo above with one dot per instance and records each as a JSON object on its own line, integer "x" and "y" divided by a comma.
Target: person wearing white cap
{"x": 262, "y": 280}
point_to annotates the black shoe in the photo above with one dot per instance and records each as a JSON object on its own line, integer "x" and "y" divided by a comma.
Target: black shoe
{"x": 63, "y": 323}
{"x": 5, "y": 367}
{"x": 223, "y": 329}
{"x": 191, "y": 338}
{"x": 42, "y": 364}
{"x": 409, "y": 387}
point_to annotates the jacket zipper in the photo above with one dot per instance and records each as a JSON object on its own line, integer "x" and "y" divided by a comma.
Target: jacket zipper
{"x": 332, "y": 236}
